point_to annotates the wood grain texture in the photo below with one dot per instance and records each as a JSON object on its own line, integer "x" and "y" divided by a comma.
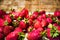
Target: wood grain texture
{"x": 32, "y": 5}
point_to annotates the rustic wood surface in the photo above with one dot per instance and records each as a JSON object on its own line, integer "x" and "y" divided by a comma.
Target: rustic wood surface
{"x": 32, "y": 5}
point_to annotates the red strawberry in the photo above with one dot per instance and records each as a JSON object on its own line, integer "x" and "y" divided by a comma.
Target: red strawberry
{"x": 15, "y": 15}
{"x": 48, "y": 32}
{"x": 1, "y": 36}
{"x": 7, "y": 30}
{"x": 14, "y": 35}
{"x": 1, "y": 29}
{"x": 24, "y": 13}
{"x": 58, "y": 28}
{"x": 37, "y": 25}
{"x": 57, "y": 13}
{"x": 30, "y": 21}
{"x": 27, "y": 16}
{"x": 7, "y": 18}
{"x": 22, "y": 24}
{"x": 40, "y": 18}
{"x": 34, "y": 35}
{"x": 34, "y": 15}
{"x": 1, "y": 22}
{"x": 44, "y": 16}
{"x": 40, "y": 29}
{"x": 49, "y": 20}
{"x": 55, "y": 25}
{"x": 44, "y": 23}
{"x": 42, "y": 12}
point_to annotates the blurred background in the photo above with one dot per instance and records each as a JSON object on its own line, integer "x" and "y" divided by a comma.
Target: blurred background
{"x": 31, "y": 5}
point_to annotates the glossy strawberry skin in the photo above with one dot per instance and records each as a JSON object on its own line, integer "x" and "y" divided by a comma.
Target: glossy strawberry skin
{"x": 34, "y": 35}
{"x": 7, "y": 18}
{"x": 1, "y": 22}
{"x": 1, "y": 29}
{"x": 44, "y": 16}
{"x": 34, "y": 15}
{"x": 23, "y": 13}
{"x": 15, "y": 14}
{"x": 42, "y": 12}
{"x": 57, "y": 13}
{"x": 7, "y": 30}
{"x": 30, "y": 21}
{"x": 48, "y": 32}
{"x": 40, "y": 18}
{"x": 14, "y": 35}
{"x": 37, "y": 25}
{"x": 22, "y": 24}
{"x": 49, "y": 20}
{"x": 44, "y": 23}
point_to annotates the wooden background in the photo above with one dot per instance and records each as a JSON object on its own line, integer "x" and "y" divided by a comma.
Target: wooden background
{"x": 32, "y": 5}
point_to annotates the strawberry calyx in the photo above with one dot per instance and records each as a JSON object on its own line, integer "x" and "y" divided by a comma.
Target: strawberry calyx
{"x": 15, "y": 23}
{"x": 19, "y": 18}
{"x": 6, "y": 22}
{"x": 25, "y": 20}
{"x": 43, "y": 33}
{"x": 53, "y": 32}
{"x": 12, "y": 16}
{"x": 21, "y": 36}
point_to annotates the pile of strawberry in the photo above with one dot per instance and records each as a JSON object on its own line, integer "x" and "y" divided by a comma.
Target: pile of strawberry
{"x": 38, "y": 25}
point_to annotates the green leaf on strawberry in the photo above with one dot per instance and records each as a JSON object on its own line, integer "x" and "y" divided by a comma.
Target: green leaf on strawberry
{"x": 54, "y": 19}
{"x": 25, "y": 20}
{"x": 6, "y": 22}
{"x": 19, "y": 18}
{"x": 54, "y": 32}
{"x": 43, "y": 33}
{"x": 21, "y": 36}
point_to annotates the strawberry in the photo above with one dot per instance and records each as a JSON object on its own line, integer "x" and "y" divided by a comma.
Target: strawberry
{"x": 27, "y": 16}
{"x": 37, "y": 25}
{"x": 22, "y": 24}
{"x": 57, "y": 13}
{"x": 30, "y": 21}
{"x": 13, "y": 35}
{"x": 44, "y": 23}
{"x": 40, "y": 18}
{"x": 49, "y": 20}
{"x": 1, "y": 29}
{"x": 7, "y": 29}
{"x": 48, "y": 32}
{"x": 1, "y": 22}
{"x": 34, "y": 15}
{"x": 34, "y": 35}
{"x": 7, "y": 18}
{"x": 40, "y": 29}
{"x": 44, "y": 16}
{"x": 14, "y": 15}
{"x": 42, "y": 12}
{"x": 55, "y": 24}
{"x": 24, "y": 13}
{"x": 58, "y": 28}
